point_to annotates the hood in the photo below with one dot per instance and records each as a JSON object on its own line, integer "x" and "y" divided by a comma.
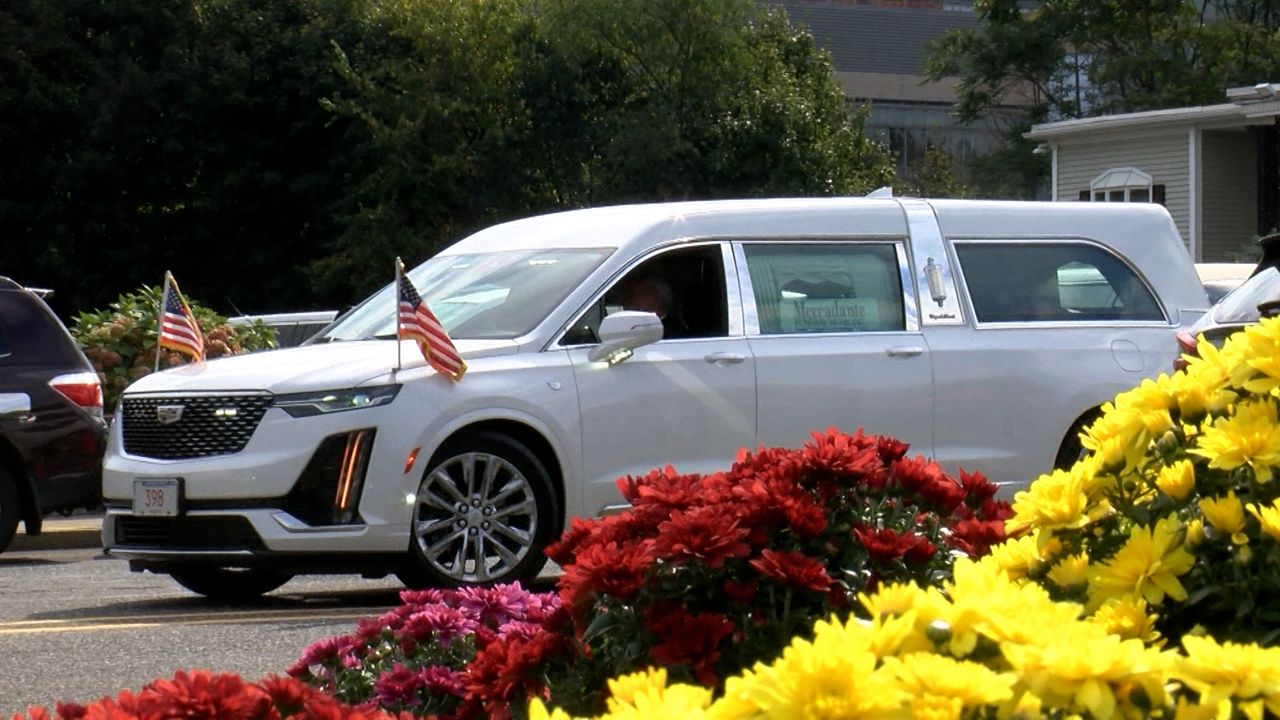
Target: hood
{"x": 329, "y": 366}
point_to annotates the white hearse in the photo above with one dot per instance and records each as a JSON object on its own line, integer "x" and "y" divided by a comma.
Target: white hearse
{"x": 983, "y": 333}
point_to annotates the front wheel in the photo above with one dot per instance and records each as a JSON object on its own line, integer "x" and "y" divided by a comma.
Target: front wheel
{"x": 231, "y": 584}
{"x": 483, "y": 514}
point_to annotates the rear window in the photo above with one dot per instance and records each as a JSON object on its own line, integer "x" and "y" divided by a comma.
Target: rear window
{"x": 1053, "y": 282}
{"x": 1240, "y": 306}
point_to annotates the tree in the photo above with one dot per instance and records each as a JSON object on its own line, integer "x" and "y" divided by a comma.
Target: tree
{"x": 1079, "y": 58}
{"x": 511, "y": 107}
{"x": 145, "y": 135}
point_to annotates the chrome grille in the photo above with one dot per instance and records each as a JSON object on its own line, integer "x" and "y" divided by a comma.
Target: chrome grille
{"x": 207, "y": 426}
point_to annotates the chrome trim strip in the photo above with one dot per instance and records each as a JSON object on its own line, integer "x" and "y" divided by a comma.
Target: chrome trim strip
{"x": 294, "y": 525}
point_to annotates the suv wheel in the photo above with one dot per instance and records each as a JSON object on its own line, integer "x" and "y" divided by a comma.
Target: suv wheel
{"x": 10, "y": 509}
{"x": 231, "y": 584}
{"x": 484, "y": 513}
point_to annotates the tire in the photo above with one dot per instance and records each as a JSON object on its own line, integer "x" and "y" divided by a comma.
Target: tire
{"x": 233, "y": 585}
{"x": 10, "y": 508}
{"x": 1071, "y": 450}
{"x": 485, "y": 511}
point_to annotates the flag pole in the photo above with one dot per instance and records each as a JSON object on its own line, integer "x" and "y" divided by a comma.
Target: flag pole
{"x": 399, "y": 265}
{"x": 160, "y": 318}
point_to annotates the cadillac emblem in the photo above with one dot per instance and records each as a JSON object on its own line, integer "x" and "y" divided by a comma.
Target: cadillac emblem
{"x": 168, "y": 414}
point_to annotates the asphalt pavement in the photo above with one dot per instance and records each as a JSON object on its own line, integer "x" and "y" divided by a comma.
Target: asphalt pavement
{"x": 79, "y": 530}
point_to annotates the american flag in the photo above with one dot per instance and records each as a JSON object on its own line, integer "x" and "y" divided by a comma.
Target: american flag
{"x": 178, "y": 328}
{"x": 417, "y": 322}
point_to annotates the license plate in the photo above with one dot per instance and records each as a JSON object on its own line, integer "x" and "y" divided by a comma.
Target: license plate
{"x": 158, "y": 496}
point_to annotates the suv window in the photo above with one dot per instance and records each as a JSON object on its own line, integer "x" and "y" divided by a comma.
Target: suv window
{"x": 1241, "y": 304}
{"x": 1052, "y": 282}
{"x": 826, "y": 287}
{"x": 684, "y": 287}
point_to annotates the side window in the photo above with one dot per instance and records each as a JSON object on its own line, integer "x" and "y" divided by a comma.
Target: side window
{"x": 1052, "y": 282}
{"x": 826, "y": 287}
{"x": 684, "y": 287}
{"x": 4, "y": 342}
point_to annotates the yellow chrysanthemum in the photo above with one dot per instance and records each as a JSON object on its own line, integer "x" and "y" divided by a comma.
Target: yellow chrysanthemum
{"x": 1218, "y": 671}
{"x": 928, "y": 675}
{"x": 891, "y": 599}
{"x": 1210, "y": 369}
{"x": 841, "y": 681}
{"x": 1260, "y": 345}
{"x": 1250, "y": 436}
{"x": 682, "y": 701}
{"x": 1226, "y": 515}
{"x": 1195, "y": 532}
{"x": 538, "y": 711}
{"x": 1187, "y": 710}
{"x": 1129, "y": 618}
{"x": 1057, "y": 500}
{"x": 1198, "y": 394}
{"x": 1177, "y": 479}
{"x": 1268, "y": 517}
{"x": 1019, "y": 556}
{"x": 625, "y": 689}
{"x": 1083, "y": 672}
{"x": 1150, "y": 401}
{"x": 1147, "y": 566}
{"x": 1071, "y": 570}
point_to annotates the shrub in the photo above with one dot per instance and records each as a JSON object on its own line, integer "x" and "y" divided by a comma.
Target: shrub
{"x": 706, "y": 575}
{"x": 1143, "y": 583}
{"x": 120, "y": 341}
{"x": 1177, "y": 507}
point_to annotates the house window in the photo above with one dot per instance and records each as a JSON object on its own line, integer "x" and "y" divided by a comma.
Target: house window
{"x": 1124, "y": 184}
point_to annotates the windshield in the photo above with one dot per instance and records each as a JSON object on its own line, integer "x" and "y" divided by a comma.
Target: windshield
{"x": 492, "y": 295}
{"x": 1241, "y": 305}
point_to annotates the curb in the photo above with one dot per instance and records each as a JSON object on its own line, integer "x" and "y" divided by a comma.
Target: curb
{"x": 61, "y": 533}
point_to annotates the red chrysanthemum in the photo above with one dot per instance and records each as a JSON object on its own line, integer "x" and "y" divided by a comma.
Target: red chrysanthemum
{"x": 289, "y": 695}
{"x": 608, "y": 569}
{"x": 975, "y": 537}
{"x": 709, "y": 534}
{"x": 978, "y": 489}
{"x": 202, "y": 694}
{"x": 69, "y": 710}
{"x": 793, "y": 568}
{"x": 686, "y": 638}
{"x": 846, "y": 459}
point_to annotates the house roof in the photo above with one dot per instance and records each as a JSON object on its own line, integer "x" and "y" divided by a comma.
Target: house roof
{"x": 1257, "y": 105}
{"x": 874, "y": 38}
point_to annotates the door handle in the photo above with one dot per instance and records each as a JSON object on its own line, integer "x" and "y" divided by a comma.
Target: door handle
{"x": 726, "y": 358}
{"x": 905, "y": 351}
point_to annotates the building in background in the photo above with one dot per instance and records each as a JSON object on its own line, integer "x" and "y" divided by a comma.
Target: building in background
{"x": 878, "y": 49}
{"x": 1215, "y": 167}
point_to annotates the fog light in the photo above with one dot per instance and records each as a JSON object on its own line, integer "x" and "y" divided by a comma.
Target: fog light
{"x": 328, "y": 491}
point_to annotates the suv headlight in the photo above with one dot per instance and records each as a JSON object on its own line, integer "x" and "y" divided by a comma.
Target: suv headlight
{"x": 324, "y": 402}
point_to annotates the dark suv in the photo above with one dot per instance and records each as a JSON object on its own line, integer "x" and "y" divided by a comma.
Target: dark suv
{"x": 52, "y": 433}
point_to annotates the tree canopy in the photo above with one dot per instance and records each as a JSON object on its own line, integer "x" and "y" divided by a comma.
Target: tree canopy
{"x": 277, "y": 154}
{"x": 1078, "y": 58}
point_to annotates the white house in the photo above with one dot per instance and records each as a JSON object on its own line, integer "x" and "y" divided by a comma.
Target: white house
{"x": 1215, "y": 167}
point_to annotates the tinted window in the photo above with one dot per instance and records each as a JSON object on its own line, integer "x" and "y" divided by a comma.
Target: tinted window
{"x": 683, "y": 287}
{"x": 826, "y": 287}
{"x": 4, "y": 340}
{"x": 1052, "y": 282}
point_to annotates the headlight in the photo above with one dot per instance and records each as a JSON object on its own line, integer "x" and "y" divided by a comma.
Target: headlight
{"x": 324, "y": 402}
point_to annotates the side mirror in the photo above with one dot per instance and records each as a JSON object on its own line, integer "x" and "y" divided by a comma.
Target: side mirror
{"x": 622, "y": 332}
{"x": 14, "y": 405}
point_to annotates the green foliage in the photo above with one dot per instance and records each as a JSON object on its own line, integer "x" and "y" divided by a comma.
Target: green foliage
{"x": 934, "y": 177}
{"x": 120, "y": 341}
{"x": 509, "y": 108}
{"x": 1080, "y": 58}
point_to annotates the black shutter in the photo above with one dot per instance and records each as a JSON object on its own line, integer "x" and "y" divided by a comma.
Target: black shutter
{"x": 1084, "y": 196}
{"x": 1157, "y": 194}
